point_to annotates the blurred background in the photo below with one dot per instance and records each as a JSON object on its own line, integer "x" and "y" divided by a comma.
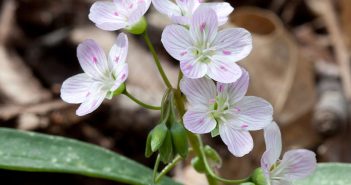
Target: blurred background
{"x": 300, "y": 63}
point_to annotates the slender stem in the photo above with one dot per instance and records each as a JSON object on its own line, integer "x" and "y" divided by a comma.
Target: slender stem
{"x": 157, "y": 163}
{"x": 168, "y": 168}
{"x": 140, "y": 102}
{"x": 157, "y": 60}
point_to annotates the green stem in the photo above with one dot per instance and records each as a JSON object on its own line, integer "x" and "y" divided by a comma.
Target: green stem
{"x": 168, "y": 168}
{"x": 157, "y": 163}
{"x": 140, "y": 102}
{"x": 157, "y": 60}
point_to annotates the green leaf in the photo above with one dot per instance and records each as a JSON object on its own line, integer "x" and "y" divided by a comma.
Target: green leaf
{"x": 329, "y": 174}
{"x": 28, "y": 151}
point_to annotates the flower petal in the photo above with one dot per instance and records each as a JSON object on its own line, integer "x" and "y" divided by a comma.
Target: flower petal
{"x": 167, "y": 7}
{"x": 251, "y": 113}
{"x": 118, "y": 53}
{"x": 232, "y": 44}
{"x": 182, "y": 20}
{"x": 273, "y": 140}
{"x": 121, "y": 77}
{"x": 204, "y": 25}
{"x": 223, "y": 10}
{"x": 224, "y": 72}
{"x": 177, "y": 41}
{"x": 107, "y": 16}
{"x": 297, "y": 164}
{"x": 239, "y": 142}
{"x": 193, "y": 69}
{"x": 91, "y": 104}
{"x": 198, "y": 121}
{"x": 198, "y": 92}
{"x": 234, "y": 91}
{"x": 188, "y": 6}
{"x": 92, "y": 59}
{"x": 135, "y": 16}
{"x": 76, "y": 88}
{"x": 97, "y": 93}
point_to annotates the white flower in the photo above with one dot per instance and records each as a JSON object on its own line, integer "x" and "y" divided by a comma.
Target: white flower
{"x": 296, "y": 164}
{"x": 202, "y": 50}
{"x": 225, "y": 109}
{"x": 101, "y": 77}
{"x": 118, "y": 14}
{"x": 182, "y": 11}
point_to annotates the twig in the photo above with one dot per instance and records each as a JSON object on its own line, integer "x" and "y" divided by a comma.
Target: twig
{"x": 6, "y": 19}
{"x": 325, "y": 9}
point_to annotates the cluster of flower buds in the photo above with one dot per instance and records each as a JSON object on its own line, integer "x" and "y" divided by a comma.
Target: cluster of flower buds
{"x": 214, "y": 85}
{"x": 169, "y": 136}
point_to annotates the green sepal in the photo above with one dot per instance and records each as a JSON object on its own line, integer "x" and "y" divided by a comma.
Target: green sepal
{"x": 148, "y": 151}
{"x": 179, "y": 139}
{"x": 213, "y": 156}
{"x": 198, "y": 165}
{"x": 215, "y": 131}
{"x": 166, "y": 149}
{"x": 117, "y": 92}
{"x": 258, "y": 177}
{"x": 138, "y": 28}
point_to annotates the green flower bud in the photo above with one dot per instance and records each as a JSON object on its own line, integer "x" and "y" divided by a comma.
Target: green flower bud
{"x": 198, "y": 165}
{"x": 258, "y": 177}
{"x": 166, "y": 150}
{"x": 138, "y": 28}
{"x": 179, "y": 139}
{"x": 213, "y": 156}
{"x": 158, "y": 136}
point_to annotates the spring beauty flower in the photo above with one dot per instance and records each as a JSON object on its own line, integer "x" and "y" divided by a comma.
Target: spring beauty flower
{"x": 296, "y": 164}
{"x": 181, "y": 11}
{"x": 118, "y": 14}
{"x": 202, "y": 50}
{"x": 102, "y": 75}
{"x": 225, "y": 110}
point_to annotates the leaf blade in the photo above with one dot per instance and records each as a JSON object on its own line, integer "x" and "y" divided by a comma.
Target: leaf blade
{"x": 28, "y": 151}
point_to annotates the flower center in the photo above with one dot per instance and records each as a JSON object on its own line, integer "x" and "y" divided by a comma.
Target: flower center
{"x": 219, "y": 108}
{"x": 203, "y": 53}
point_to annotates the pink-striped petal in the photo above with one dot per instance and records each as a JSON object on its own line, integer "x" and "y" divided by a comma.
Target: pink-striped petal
{"x": 232, "y": 44}
{"x": 137, "y": 14}
{"x": 121, "y": 77}
{"x": 223, "y": 10}
{"x": 251, "y": 113}
{"x": 118, "y": 53}
{"x": 182, "y": 20}
{"x": 76, "y": 88}
{"x": 177, "y": 42}
{"x": 224, "y": 72}
{"x": 297, "y": 164}
{"x": 272, "y": 137}
{"x": 107, "y": 16}
{"x": 91, "y": 103}
{"x": 198, "y": 91}
{"x": 234, "y": 91}
{"x": 188, "y": 6}
{"x": 198, "y": 121}
{"x": 239, "y": 142}
{"x": 167, "y": 7}
{"x": 204, "y": 25}
{"x": 92, "y": 59}
{"x": 193, "y": 69}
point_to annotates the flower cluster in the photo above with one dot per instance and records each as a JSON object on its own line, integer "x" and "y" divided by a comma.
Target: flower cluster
{"x": 213, "y": 83}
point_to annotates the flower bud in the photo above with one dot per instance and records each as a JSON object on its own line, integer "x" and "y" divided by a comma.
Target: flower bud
{"x": 166, "y": 150}
{"x": 258, "y": 177}
{"x": 198, "y": 165}
{"x": 158, "y": 136}
{"x": 179, "y": 139}
{"x": 138, "y": 28}
{"x": 213, "y": 156}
